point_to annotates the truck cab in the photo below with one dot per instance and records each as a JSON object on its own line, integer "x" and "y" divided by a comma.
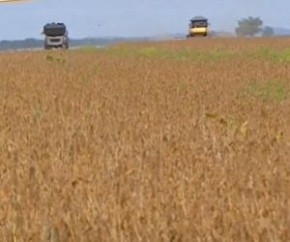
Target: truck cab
{"x": 56, "y": 36}
{"x": 198, "y": 26}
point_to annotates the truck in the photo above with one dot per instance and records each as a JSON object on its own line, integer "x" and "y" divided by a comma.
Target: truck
{"x": 56, "y": 36}
{"x": 198, "y": 26}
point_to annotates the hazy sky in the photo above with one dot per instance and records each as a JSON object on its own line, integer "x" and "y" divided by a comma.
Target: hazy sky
{"x": 96, "y": 18}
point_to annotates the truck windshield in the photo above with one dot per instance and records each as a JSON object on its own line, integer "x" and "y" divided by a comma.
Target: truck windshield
{"x": 198, "y": 24}
{"x": 54, "y": 30}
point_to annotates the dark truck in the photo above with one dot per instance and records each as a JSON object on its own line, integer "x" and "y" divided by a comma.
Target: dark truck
{"x": 56, "y": 36}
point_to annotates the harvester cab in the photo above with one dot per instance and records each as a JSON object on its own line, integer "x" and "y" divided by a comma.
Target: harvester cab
{"x": 56, "y": 36}
{"x": 198, "y": 26}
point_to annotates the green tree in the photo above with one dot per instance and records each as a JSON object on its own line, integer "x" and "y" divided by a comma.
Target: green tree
{"x": 268, "y": 31}
{"x": 249, "y": 26}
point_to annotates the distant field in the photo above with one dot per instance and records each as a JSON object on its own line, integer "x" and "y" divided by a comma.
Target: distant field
{"x": 163, "y": 141}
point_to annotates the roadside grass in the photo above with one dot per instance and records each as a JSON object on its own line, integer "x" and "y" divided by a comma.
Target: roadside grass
{"x": 88, "y": 48}
{"x": 163, "y": 53}
{"x": 194, "y": 53}
{"x": 55, "y": 58}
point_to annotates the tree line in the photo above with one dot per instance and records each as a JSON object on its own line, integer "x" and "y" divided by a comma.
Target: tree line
{"x": 30, "y": 43}
{"x": 253, "y": 26}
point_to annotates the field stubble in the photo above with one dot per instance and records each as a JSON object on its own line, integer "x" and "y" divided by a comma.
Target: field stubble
{"x": 113, "y": 145}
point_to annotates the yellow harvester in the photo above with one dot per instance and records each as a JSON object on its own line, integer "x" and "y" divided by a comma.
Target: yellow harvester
{"x": 198, "y": 26}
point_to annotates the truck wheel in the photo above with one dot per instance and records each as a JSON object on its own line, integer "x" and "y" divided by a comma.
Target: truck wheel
{"x": 65, "y": 46}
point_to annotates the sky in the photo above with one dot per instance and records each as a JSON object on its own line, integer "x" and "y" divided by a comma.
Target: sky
{"x": 137, "y": 18}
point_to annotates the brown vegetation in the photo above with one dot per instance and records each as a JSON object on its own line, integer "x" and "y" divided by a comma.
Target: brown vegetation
{"x": 138, "y": 144}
